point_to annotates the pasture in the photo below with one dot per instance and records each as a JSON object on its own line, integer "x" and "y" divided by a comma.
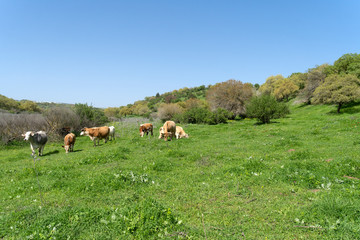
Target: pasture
{"x": 297, "y": 178}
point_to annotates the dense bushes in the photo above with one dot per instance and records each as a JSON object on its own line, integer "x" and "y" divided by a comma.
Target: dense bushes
{"x": 52, "y": 121}
{"x": 265, "y": 107}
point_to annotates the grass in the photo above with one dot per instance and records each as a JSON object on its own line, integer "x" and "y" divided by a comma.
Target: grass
{"x": 297, "y": 178}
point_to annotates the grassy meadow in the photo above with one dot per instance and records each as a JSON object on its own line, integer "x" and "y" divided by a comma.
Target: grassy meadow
{"x": 296, "y": 178}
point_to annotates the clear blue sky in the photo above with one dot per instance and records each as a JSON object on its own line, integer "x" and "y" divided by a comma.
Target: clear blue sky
{"x": 112, "y": 53}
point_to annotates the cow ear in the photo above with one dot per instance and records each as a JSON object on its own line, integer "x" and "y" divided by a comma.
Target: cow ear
{"x": 63, "y": 146}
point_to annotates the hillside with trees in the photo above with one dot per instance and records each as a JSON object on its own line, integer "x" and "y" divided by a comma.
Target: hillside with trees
{"x": 323, "y": 84}
{"x": 337, "y": 84}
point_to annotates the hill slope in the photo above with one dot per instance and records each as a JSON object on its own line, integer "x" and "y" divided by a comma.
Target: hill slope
{"x": 296, "y": 178}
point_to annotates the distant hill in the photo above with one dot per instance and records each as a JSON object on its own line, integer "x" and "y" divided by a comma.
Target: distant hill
{"x": 15, "y": 106}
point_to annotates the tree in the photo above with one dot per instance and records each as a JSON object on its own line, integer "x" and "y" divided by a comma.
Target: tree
{"x": 339, "y": 90}
{"x": 265, "y": 107}
{"x": 269, "y": 86}
{"x": 230, "y": 95}
{"x": 299, "y": 79}
{"x": 315, "y": 77}
{"x": 285, "y": 88}
{"x": 347, "y": 64}
{"x": 29, "y": 106}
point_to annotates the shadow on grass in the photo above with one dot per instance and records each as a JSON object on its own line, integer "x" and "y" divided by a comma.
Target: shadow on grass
{"x": 51, "y": 153}
{"x": 350, "y": 108}
{"x": 261, "y": 123}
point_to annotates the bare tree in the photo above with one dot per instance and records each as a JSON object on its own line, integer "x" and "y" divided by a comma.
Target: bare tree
{"x": 230, "y": 95}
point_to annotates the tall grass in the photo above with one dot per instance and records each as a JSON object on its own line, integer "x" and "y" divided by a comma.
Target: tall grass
{"x": 296, "y": 178}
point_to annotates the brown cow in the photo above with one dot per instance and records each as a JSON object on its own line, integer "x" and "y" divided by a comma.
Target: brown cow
{"x": 69, "y": 142}
{"x": 146, "y": 128}
{"x": 168, "y": 130}
{"x": 180, "y": 133}
{"x": 96, "y": 133}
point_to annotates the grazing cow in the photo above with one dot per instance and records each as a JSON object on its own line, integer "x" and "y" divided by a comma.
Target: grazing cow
{"x": 168, "y": 130}
{"x": 37, "y": 140}
{"x": 112, "y": 133}
{"x": 96, "y": 133}
{"x": 69, "y": 142}
{"x": 146, "y": 128}
{"x": 180, "y": 133}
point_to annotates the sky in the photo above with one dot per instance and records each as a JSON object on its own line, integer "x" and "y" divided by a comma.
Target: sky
{"x": 110, "y": 53}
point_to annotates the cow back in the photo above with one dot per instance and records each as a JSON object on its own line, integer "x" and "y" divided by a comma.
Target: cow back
{"x": 40, "y": 138}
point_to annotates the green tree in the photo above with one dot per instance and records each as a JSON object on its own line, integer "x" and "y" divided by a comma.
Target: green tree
{"x": 285, "y": 88}
{"x": 347, "y": 64}
{"x": 338, "y": 89}
{"x": 29, "y": 106}
{"x": 269, "y": 86}
{"x": 90, "y": 116}
{"x": 265, "y": 107}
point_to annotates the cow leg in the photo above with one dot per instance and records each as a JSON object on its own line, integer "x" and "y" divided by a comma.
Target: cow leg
{"x": 32, "y": 150}
{"x": 152, "y": 134}
{"x": 41, "y": 149}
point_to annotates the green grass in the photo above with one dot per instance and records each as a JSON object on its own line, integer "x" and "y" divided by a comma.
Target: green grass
{"x": 285, "y": 180}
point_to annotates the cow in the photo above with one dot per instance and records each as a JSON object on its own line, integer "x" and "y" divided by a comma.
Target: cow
{"x": 69, "y": 142}
{"x": 96, "y": 133}
{"x": 112, "y": 133}
{"x": 146, "y": 128}
{"x": 37, "y": 141}
{"x": 168, "y": 130}
{"x": 180, "y": 133}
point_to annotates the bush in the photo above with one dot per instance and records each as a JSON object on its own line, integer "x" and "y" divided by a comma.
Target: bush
{"x": 13, "y": 125}
{"x": 168, "y": 111}
{"x": 219, "y": 116}
{"x": 90, "y": 116}
{"x": 196, "y": 115}
{"x": 265, "y": 107}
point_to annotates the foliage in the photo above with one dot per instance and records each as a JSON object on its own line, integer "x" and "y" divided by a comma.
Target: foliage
{"x": 195, "y": 115}
{"x": 270, "y": 84}
{"x": 29, "y": 106}
{"x": 338, "y": 89}
{"x": 284, "y": 89}
{"x": 265, "y": 107}
{"x": 230, "y": 95}
{"x": 347, "y": 64}
{"x": 167, "y": 111}
{"x": 60, "y": 117}
{"x": 16, "y": 106}
{"x": 299, "y": 79}
{"x": 315, "y": 77}
{"x": 90, "y": 116}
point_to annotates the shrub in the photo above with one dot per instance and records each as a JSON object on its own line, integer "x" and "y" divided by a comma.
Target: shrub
{"x": 219, "y": 116}
{"x": 196, "y": 115}
{"x": 13, "y": 125}
{"x": 60, "y": 117}
{"x": 168, "y": 111}
{"x": 265, "y": 107}
{"x": 90, "y": 116}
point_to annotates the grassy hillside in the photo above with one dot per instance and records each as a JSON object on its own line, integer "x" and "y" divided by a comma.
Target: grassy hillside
{"x": 297, "y": 178}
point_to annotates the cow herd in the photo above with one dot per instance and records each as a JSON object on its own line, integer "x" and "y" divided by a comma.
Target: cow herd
{"x": 38, "y": 139}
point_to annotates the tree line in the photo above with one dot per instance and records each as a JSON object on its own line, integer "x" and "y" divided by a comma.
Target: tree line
{"x": 324, "y": 84}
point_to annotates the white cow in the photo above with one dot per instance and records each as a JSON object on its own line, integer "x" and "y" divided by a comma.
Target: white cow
{"x": 37, "y": 140}
{"x": 112, "y": 133}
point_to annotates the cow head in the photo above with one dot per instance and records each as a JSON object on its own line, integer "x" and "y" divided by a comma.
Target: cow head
{"x": 27, "y": 135}
{"x": 83, "y": 132}
{"x": 162, "y": 132}
{"x": 67, "y": 147}
{"x": 142, "y": 130}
